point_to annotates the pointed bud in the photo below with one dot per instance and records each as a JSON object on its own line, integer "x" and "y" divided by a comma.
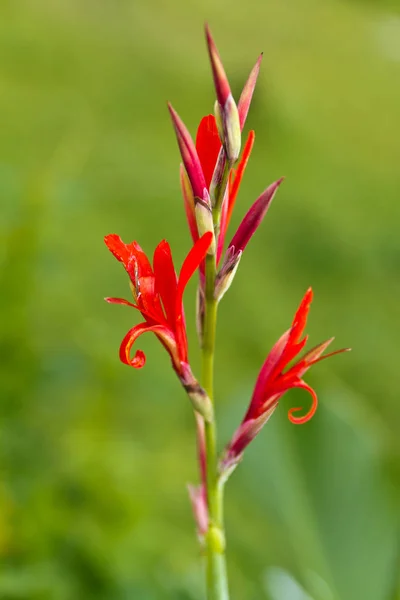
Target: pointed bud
{"x": 189, "y": 155}
{"x": 227, "y": 273}
{"x": 253, "y": 218}
{"x": 220, "y": 79}
{"x": 247, "y": 93}
{"x": 188, "y": 199}
{"x": 228, "y": 111}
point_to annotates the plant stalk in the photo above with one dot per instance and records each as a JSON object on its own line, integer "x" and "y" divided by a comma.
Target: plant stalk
{"x": 217, "y": 584}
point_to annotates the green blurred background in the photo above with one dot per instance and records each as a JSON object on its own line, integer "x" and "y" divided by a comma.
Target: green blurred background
{"x": 95, "y": 456}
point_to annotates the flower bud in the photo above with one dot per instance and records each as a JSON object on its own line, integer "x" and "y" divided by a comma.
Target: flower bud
{"x": 204, "y": 220}
{"x": 227, "y": 113}
{"x": 227, "y": 273}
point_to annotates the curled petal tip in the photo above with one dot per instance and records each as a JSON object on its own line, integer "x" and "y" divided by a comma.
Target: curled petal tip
{"x": 311, "y": 412}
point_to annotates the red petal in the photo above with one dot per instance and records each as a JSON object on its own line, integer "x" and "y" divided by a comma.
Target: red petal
{"x": 265, "y": 376}
{"x": 300, "y": 420}
{"x": 164, "y": 334}
{"x": 189, "y": 267}
{"x": 117, "y": 247}
{"x": 188, "y": 199}
{"x": 121, "y": 301}
{"x": 234, "y": 189}
{"x": 300, "y": 318}
{"x": 192, "y": 262}
{"x": 151, "y": 317}
{"x": 166, "y": 280}
{"x": 208, "y": 146}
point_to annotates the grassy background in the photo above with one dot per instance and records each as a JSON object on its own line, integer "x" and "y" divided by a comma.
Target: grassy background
{"x": 93, "y": 455}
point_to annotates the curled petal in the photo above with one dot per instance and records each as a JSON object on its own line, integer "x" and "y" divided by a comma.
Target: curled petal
{"x": 164, "y": 334}
{"x": 311, "y": 412}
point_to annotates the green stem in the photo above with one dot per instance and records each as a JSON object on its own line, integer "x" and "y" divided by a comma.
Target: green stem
{"x": 217, "y": 584}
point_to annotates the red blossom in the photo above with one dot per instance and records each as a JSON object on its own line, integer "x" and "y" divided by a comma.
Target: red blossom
{"x": 273, "y": 381}
{"x": 158, "y": 296}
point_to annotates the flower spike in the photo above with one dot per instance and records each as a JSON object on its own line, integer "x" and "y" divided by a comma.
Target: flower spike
{"x": 273, "y": 382}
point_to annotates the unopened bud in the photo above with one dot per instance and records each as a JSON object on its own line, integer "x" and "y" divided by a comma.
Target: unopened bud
{"x": 226, "y": 274}
{"x": 232, "y": 131}
{"x": 204, "y": 220}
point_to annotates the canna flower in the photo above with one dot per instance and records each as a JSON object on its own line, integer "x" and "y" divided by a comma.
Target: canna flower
{"x": 158, "y": 296}
{"x": 273, "y": 381}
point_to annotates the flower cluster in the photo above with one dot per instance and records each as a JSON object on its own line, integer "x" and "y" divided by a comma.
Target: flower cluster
{"x": 211, "y": 173}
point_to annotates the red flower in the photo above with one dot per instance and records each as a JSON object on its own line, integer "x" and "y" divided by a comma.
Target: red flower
{"x": 158, "y": 295}
{"x": 273, "y": 382}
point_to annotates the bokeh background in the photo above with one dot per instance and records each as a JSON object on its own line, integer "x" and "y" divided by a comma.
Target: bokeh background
{"x": 95, "y": 456}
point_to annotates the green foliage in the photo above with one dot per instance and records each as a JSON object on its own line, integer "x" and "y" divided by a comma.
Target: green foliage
{"x": 94, "y": 456}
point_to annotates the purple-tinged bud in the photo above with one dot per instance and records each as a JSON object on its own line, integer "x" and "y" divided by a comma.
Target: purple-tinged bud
{"x": 188, "y": 200}
{"x": 253, "y": 218}
{"x": 247, "y": 92}
{"x": 227, "y": 273}
{"x": 227, "y": 112}
{"x": 189, "y": 155}
{"x": 220, "y": 79}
